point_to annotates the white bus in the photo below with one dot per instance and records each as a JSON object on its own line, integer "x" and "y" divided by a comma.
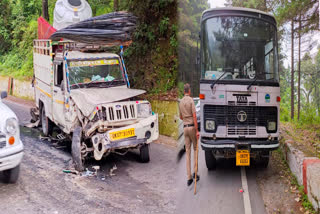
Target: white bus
{"x": 239, "y": 85}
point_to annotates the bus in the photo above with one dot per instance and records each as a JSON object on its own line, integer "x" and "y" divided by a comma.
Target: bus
{"x": 239, "y": 86}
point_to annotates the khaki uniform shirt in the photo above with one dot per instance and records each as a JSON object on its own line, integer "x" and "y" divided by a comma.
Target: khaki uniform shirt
{"x": 187, "y": 109}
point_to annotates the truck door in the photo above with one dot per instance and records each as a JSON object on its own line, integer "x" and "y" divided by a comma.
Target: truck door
{"x": 58, "y": 107}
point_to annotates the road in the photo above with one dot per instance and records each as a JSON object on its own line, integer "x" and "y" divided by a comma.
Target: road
{"x": 219, "y": 191}
{"x": 44, "y": 188}
{"x": 156, "y": 187}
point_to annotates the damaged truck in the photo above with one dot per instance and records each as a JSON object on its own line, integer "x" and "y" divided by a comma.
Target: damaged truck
{"x": 85, "y": 91}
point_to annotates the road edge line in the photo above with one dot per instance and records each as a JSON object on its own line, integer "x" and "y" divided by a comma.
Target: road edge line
{"x": 246, "y": 197}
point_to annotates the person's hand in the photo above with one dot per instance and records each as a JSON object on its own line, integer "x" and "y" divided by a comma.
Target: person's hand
{"x": 198, "y": 135}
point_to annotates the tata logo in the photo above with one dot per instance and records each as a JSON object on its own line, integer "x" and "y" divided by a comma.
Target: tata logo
{"x": 118, "y": 106}
{"x": 242, "y": 99}
{"x": 242, "y": 116}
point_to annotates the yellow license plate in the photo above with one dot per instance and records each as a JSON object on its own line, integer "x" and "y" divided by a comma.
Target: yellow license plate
{"x": 118, "y": 135}
{"x": 243, "y": 158}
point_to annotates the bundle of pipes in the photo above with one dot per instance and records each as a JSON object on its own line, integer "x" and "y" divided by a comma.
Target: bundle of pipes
{"x": 109, "y": 28}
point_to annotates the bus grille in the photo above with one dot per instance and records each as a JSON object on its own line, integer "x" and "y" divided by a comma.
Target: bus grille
{"x": 227, "y": 116}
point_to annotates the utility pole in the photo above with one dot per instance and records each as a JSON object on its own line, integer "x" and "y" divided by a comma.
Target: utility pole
{"x": 292, "y": 69}
{"x": 45, "y": 12}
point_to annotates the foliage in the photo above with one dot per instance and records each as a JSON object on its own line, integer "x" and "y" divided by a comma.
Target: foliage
{"x": 151, "y": 59}
{"x": 189, "y": 27}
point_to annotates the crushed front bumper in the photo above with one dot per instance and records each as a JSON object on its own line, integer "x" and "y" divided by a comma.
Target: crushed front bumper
{"x": 146, "y": 131}
{"x": 233, "y": 144}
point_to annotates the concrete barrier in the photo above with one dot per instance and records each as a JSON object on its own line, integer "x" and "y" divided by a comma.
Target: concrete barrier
{"x": 23, "y": 89}
{"x": 4, "y": 83}
{"x": 312, "y": 181}
{"x": 306, "y": 170}
{"x": 168, "y": 112}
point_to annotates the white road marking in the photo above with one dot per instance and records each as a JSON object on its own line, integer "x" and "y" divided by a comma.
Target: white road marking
{"x": 246, "y": 197}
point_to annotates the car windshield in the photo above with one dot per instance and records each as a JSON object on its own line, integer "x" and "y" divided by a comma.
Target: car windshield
{"x": 243, "y": 47}
{"x": 95, "y": 71}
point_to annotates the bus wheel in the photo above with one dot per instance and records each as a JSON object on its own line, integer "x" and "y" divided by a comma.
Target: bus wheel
{"x": 211, "y": 161}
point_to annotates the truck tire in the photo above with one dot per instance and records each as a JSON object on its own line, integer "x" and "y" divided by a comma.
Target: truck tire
{"x": 46, "y": 123}
{"x": 11, "y": 175}
{"x": 144, "y": 153}
{"x": 211, "y": 161}
{"x": 76, "y": 149}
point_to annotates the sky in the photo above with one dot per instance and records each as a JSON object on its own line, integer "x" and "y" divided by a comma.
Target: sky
{"x": 286, "y": 45}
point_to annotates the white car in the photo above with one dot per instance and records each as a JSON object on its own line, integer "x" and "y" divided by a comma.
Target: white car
{"x": 11, "y": 147}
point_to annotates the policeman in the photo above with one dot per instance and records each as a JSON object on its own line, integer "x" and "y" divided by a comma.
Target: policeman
{"x": 191, "y": 134}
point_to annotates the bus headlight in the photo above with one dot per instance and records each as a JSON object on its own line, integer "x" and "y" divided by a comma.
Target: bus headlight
{"x": 272, "y": 126}
{"x": 210, "y": 125}
{"x": 144, "y": 110}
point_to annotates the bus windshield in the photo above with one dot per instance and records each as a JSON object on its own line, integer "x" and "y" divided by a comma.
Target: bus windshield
{"x": 243, "y": 48}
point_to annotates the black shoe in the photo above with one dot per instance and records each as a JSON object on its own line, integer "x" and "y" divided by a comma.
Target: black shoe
{"x": 198, "y": 177}
{"x": 189, "y": 182}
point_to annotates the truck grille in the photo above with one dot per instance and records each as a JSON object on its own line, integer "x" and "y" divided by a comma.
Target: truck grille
{"x": 119, "y": 112}
{"x": 3, "y": 141}
{"x": 227, "y": 116}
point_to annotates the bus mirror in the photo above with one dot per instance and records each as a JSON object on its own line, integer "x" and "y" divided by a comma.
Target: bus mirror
{"x": 62, "y": 85}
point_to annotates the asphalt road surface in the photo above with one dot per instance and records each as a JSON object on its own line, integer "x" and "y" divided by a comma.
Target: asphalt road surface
{"x": 219, "y": 191}
{"x": 157, "y": 187}
{"x": 43, "y": 187}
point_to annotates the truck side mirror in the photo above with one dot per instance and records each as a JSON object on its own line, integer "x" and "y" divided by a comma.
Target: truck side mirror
{"x": 4, "y": 94}
{"x": 62, "y": 85}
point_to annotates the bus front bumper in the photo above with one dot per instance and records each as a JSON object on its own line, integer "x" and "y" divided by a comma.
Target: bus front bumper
{"x": 234, "y": 144}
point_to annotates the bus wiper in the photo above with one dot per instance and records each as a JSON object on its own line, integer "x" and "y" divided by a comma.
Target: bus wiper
{"x": 249, "y": 86}
{"x": 226, "y": 71}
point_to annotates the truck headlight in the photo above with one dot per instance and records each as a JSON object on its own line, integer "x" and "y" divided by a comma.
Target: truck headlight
{"x": 272, "y": 126}
{"x": 144, "y": 110}
{"x": 210, "y": 125}
{"x": 12, "y": 126}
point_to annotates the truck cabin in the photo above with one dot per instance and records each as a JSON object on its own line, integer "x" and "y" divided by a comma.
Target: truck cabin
{"x": 87, "y": 68}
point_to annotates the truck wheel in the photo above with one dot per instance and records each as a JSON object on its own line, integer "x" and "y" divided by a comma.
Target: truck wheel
{"x": 11, "y": 175}
{"x": 76, "y": 149}
{"x": 46, "y": 123}
{"x": 144, "y": 153}
{"x": 211, "y": 161}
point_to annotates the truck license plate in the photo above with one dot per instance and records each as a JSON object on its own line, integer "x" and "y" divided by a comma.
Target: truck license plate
{"x": 243, "y": 158}
{"x": 118, "y": 135}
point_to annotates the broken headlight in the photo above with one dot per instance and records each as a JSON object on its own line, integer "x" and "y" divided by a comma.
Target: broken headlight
{"x": 144, "y": 110}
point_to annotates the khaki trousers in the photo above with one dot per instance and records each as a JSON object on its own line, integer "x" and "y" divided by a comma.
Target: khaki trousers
{"x": 190, "y": 137}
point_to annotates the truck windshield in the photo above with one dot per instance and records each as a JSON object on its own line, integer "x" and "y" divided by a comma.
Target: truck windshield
{"x": 94, "y": 71}
{"x": 243, "y": 47}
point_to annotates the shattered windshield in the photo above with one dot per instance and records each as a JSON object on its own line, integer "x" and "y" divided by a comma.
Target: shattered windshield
{"x": 86, "y": 72}
{"x": 243, "y": 47}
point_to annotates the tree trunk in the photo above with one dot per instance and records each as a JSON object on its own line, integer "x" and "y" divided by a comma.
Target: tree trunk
{"x": 292, "y": 69}
{"x": 299, "y": 67}
{"x": 45, "y": 12}
{"x": 116, "y": 5}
